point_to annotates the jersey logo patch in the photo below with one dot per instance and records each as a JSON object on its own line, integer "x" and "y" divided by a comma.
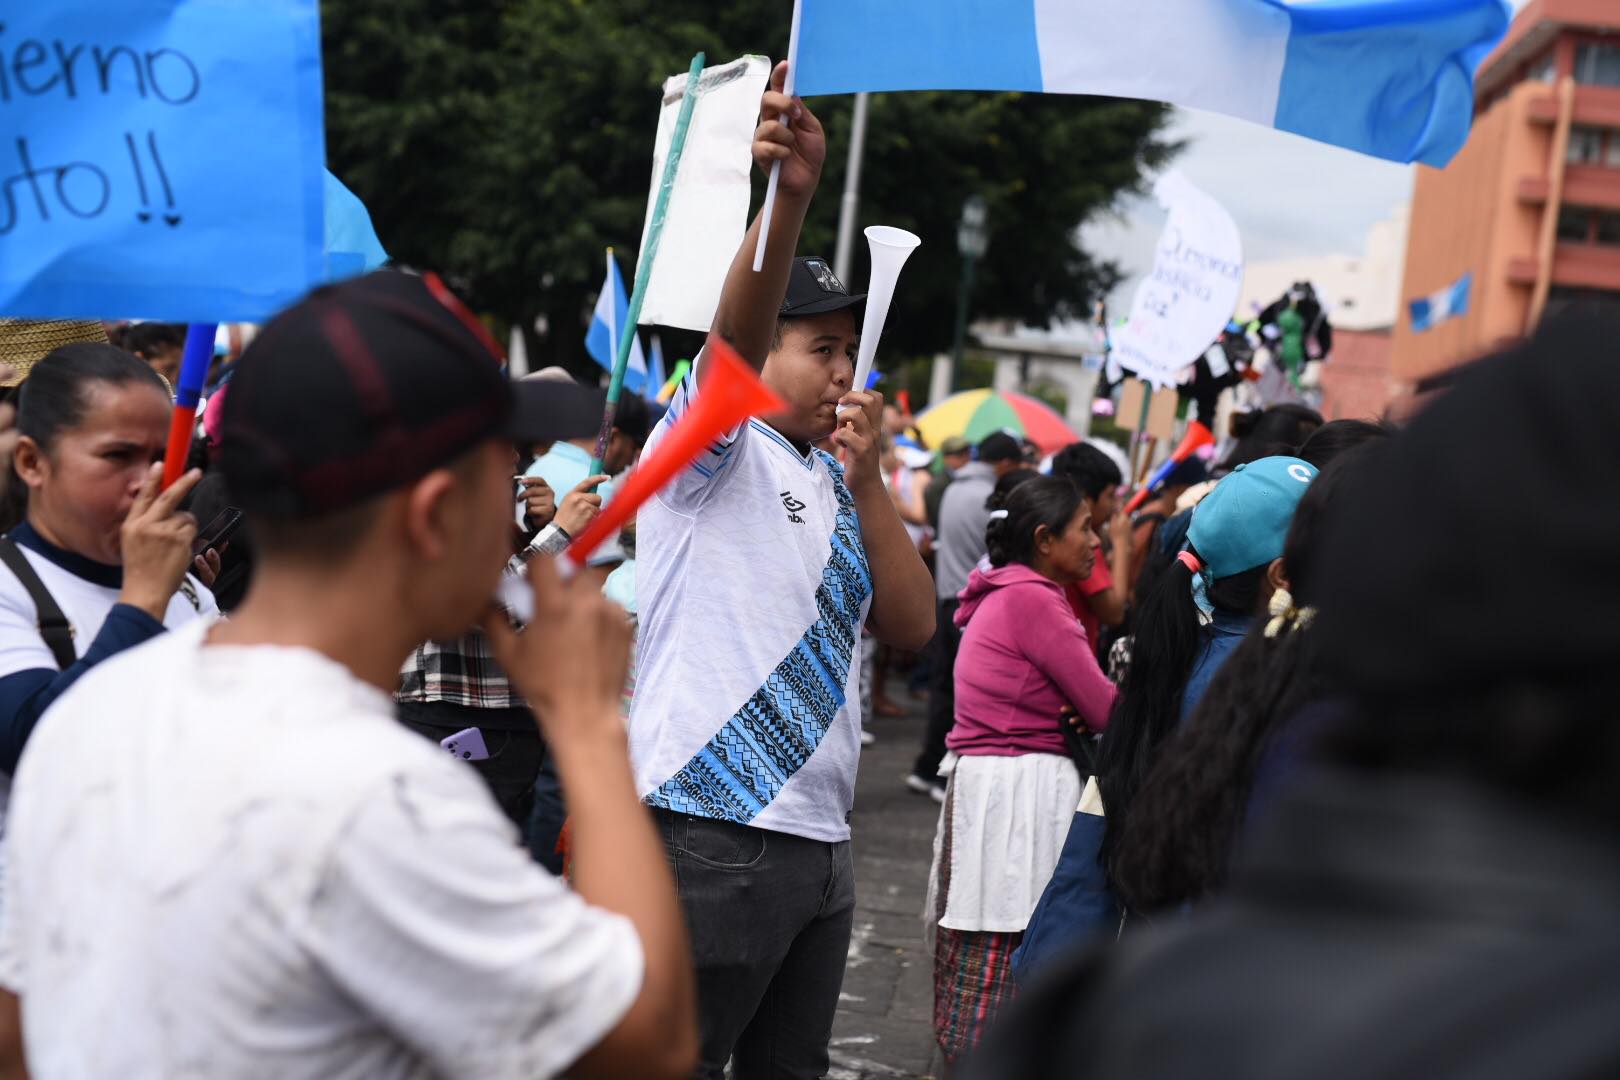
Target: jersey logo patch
{"x": 793, "y": 507}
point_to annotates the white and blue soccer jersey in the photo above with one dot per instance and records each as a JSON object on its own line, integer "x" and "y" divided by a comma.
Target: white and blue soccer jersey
{"x": 753, "y": 585}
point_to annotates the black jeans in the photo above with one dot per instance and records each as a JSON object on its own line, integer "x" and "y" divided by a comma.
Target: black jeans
{"x": 941, "y": 690}
{"x": 770, "y": 917}
{"x": 515, "y": 749}
{"x": 547, "y": 819}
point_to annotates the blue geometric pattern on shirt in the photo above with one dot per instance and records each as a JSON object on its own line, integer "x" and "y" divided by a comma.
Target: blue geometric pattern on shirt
{"x": 767, "y": 741}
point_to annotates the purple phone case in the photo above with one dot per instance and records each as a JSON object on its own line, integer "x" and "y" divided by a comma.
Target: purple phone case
{"x": 468, "y": 745}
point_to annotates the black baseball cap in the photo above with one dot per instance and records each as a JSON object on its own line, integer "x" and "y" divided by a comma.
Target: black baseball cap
{"x": 999, "y": 446}
{"x": 813, "y": 289}
{"x": 367, "y": 385}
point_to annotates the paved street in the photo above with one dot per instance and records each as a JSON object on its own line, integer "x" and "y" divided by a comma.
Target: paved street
{"x": 885, "y": 1026}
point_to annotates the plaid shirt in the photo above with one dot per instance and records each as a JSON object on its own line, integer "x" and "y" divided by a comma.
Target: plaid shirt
{"x": 464, "y": 671}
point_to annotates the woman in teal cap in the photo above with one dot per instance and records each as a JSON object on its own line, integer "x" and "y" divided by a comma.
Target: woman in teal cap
{"x": 1198, "y": 612}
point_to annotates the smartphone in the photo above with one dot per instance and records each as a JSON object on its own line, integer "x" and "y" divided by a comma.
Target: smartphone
{"x": 467, "y": 744}
{"x": 217, "y": 531}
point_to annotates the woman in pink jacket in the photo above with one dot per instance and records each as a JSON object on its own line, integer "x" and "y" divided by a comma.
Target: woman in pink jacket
{"x": 1013, "y": 788}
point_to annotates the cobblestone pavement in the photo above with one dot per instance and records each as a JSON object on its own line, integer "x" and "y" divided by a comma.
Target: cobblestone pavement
{"x": 885, "y": 1015}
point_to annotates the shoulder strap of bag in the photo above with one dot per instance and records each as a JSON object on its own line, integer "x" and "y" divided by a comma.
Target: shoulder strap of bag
{"x": 53, "y": 625}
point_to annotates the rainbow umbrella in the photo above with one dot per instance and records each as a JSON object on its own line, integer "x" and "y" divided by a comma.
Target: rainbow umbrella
{"x": 973, "y": 414}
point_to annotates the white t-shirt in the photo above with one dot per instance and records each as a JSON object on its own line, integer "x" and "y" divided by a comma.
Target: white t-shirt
{"x": 234, "y": 861}
{"x": 85, "y": 600}
{"x": 753, "y": 585}
{"x": 86, "y": 592}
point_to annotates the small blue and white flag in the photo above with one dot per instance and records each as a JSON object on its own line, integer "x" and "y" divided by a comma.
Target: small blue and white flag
{"x": 607, "y": 323}
{"x": 1434, "y": 309}
{"x": 1390, "y": 78}
{"x": 655, "y": 373}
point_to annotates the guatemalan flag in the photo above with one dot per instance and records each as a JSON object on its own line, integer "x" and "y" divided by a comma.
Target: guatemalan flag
{"x": 1390, "y": 78}
{"x": 1437, "y": 307}
{"x": 607, "y": 323}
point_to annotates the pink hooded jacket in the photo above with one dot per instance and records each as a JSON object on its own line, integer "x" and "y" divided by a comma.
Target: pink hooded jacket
{"x": 1023, "y": 657}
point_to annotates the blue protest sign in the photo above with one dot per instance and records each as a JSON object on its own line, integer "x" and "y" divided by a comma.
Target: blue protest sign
{"x": 159, "y": 159}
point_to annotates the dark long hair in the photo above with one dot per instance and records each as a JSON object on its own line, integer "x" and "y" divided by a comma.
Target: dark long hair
{"x": 1277, "y": 430}
{"x": 1184, "y": 822}
{"x": 56, "y": 394}
{"x": 1148, "y": 709}
{"x": 55, "y": 397}
{"x": 1030, "y": 503}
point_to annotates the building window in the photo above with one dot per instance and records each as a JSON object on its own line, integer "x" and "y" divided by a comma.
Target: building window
{"x": 1585, "y": 146}
{"x": 1544, "y": 70}
{"x": 1608, "y": 228}
{"x": 1611, "y": 157}
{"x": 1575, "y": 224}
{"x": 1597, "y": 64}
{"x": 1563, "y": 300}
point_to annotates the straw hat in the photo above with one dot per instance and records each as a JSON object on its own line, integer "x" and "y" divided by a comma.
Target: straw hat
{"x": 24, "y": 343}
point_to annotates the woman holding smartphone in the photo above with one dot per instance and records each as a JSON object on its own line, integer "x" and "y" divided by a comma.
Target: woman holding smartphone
{"x": 99, "y": 564}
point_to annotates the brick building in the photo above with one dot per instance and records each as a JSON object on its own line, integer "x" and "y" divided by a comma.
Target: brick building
{"x": 1531, "y": 206}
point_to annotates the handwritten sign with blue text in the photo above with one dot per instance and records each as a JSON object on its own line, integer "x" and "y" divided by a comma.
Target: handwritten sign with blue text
{"x": 1192, "y": 292}
{"x": 159, "y": 159}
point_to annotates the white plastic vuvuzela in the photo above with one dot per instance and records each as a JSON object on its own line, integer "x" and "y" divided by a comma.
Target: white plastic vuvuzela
{"x": 890, "y": 248}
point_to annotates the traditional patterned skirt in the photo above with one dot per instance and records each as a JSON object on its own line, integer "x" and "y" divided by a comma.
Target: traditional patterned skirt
{"x": 1000, "y": 834}
{"x": 972, "y": 981}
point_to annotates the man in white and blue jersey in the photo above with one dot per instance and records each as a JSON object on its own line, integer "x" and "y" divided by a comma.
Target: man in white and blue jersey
{"x": 756, "y": 570}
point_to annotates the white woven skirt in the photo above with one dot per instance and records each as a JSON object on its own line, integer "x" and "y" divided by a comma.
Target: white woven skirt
{"x": 1008, "y": 818}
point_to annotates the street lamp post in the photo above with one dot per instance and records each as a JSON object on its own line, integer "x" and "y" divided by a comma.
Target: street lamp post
{"x": 972, "y": 241}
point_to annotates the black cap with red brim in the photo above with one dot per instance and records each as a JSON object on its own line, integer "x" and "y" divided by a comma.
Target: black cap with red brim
{"x": 367, "y": 385}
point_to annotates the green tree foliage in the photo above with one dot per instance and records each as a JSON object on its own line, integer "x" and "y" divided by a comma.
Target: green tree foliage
{"x": 506, "y": 142}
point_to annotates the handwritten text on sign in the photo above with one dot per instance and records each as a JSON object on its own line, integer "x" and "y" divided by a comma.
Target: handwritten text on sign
{"x": 159, "y": 158}
{"x": 1193, "y": 290}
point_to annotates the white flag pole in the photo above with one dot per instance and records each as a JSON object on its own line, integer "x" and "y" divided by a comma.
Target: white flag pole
{"x": 776, "y": 169}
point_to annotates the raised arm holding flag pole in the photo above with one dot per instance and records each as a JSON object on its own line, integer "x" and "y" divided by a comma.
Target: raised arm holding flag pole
{"x": 758, "y": 567}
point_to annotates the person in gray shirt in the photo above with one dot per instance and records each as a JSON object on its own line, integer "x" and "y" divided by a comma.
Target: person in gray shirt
{"x": 957, "y": 550}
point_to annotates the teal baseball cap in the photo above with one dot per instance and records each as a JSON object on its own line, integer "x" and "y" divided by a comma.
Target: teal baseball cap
{"x": 1244, "y": 521}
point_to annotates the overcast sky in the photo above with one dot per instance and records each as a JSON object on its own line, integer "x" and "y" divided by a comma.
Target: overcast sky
{"x": 1289, "y": 196}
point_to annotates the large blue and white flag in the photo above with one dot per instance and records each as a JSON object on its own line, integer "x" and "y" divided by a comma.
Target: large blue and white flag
{"x": 602, "y": 339}
{"x": 1434, "y": 309}
{"x": 1390, "y": 78}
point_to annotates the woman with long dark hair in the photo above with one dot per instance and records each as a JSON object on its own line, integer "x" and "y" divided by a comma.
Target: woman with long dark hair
{"x": 1013, "y": 786}
{"x": 99, "y": 564}
{"x": 1200, "y": 610}
{"x": 1185, "y": 820}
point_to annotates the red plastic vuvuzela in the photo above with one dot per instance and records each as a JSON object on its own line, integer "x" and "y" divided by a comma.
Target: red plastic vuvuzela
{"x": 1198, "y": 436}
{"x": 731, "y": 393}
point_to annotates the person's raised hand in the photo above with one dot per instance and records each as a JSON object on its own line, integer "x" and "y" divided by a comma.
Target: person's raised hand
{"x": 581, "y": 505}
{"x": 857, "y": 433}
{"x": 799, "y": 144}
{"x": 155, "y": 542}
{"x": 206, "y": 566}
{"x": 570, "y": 662}
{"x": 1119, "y": 528}
{"x": 539, "y": 501}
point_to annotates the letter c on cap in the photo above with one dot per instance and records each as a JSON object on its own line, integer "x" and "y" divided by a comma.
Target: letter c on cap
{"x": 1302, "y": 473}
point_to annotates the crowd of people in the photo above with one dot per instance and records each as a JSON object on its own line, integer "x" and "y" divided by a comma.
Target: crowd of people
{"x": 1280, "y": 774}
